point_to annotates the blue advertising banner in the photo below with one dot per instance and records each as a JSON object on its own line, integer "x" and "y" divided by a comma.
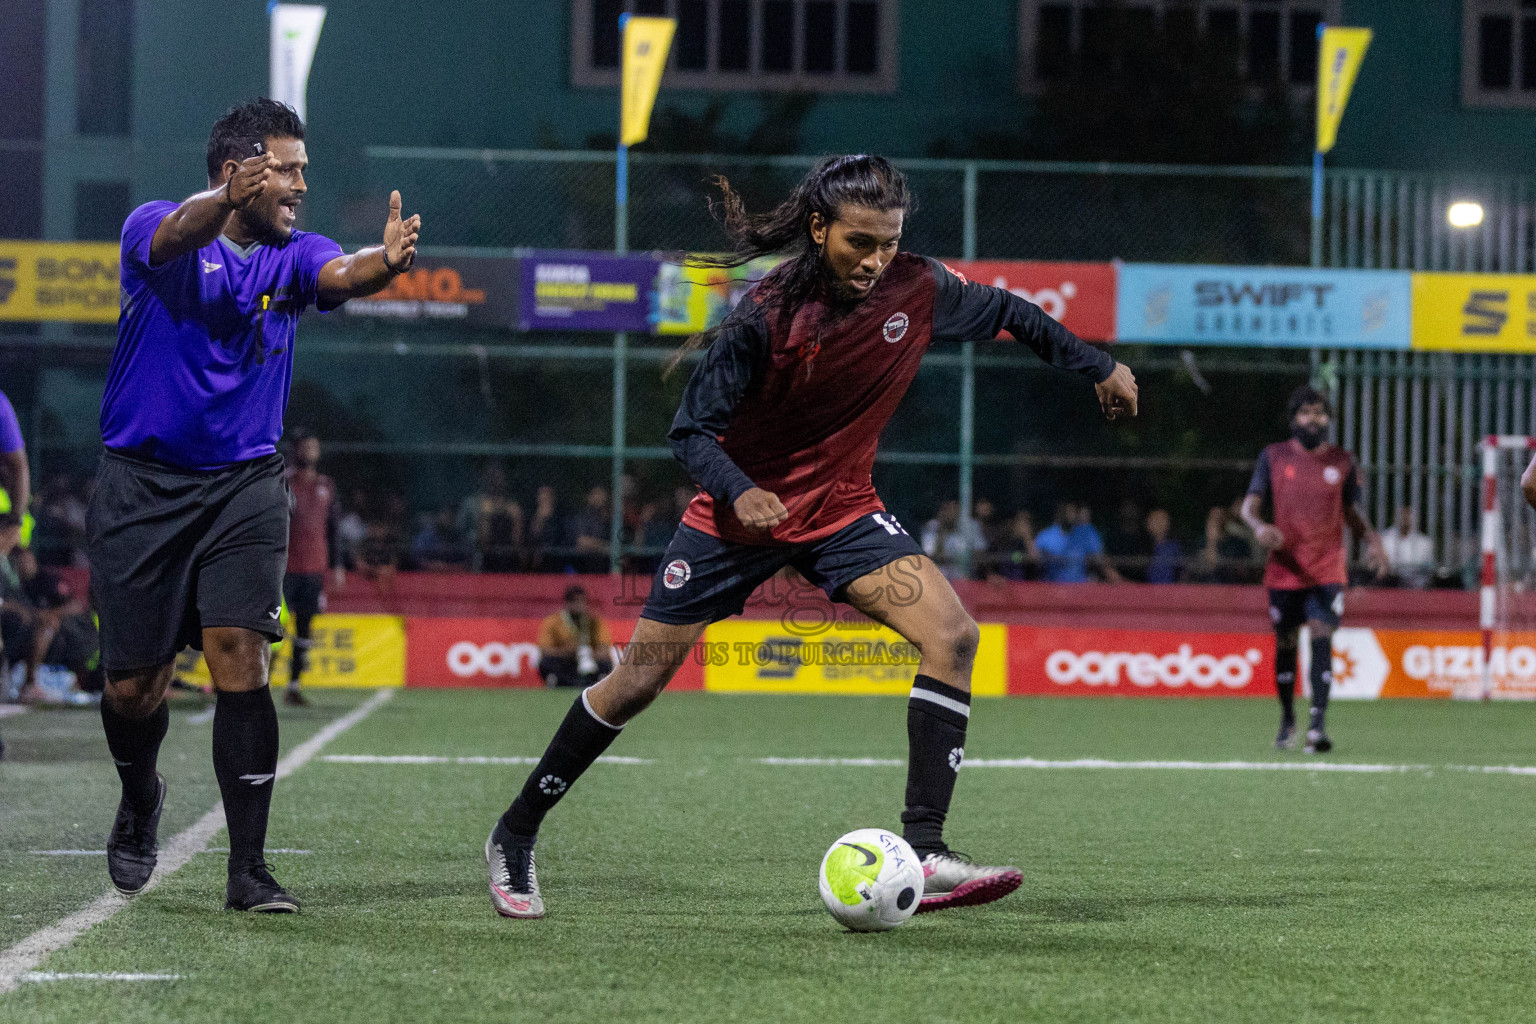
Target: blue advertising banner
{"x": 1285, "y": 307}
{"x": 585, "y": 291}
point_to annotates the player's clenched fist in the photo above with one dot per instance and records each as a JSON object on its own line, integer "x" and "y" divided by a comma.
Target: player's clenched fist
{"x": 760, "y": 509}
{"x": 1118, "y": 393}
{"x": 250, "y": 180}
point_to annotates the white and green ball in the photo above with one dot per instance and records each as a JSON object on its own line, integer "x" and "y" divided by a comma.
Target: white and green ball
{"x": 871, "y": 880}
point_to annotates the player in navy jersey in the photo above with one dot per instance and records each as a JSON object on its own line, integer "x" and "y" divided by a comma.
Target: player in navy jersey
{"x": 1312, "y": 489}
{"x": 188, "y": 526}
{"x": 778, "y": 427}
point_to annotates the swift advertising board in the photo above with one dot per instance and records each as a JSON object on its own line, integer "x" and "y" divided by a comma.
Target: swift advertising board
{"x": 1282, "y": 307}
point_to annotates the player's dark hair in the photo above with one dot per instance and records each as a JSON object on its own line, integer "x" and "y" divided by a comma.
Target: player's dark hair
{"x": 235, "y": 135}
{"x": 1306, "y": 395}
{"x": 571, "y": 593}
{"x": 857, "y": 180}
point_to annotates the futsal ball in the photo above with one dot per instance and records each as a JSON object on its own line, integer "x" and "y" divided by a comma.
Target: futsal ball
{"x": 871, "y": 880}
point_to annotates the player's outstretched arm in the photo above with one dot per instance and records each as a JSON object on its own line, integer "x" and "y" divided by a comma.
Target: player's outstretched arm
{"x": 198, "y": 220}
{"x": 369, "y": 270}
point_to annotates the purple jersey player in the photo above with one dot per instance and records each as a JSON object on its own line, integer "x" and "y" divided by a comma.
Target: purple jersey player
{"x": 188, "y": 527}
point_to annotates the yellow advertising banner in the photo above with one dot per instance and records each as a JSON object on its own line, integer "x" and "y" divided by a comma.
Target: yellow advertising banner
{"x": 1340, "y": 53}
{"x": 765, "y": 657}
{"x": 1474, "y": 312}
{"x": 349, "y": 650}
{"x": 646, "y": 42}
{"x": 74, "y": 281}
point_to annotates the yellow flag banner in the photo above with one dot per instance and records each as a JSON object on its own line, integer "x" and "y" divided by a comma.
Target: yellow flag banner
{"x": 1474, "y": 312}
{"x": 646, "y": 42}
{"x": 1338, "y": 62}
{"x": 75, "y": 281}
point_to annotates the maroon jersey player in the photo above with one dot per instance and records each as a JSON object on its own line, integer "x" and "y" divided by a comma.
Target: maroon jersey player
{"x": 312, "y": 550}
{"x": 1313, "y": 490}
{"x": 778, "y": 427}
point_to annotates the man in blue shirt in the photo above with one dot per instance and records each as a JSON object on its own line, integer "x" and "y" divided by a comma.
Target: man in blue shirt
{"x": 188, "y": 526}
{"x": 1069, "y": 545}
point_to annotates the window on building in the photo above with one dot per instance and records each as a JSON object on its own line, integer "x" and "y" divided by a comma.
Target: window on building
{"x": 1274, "y": 40}
{"x": 815, "y": 45}
{"x": 1498, "y": 57}
{"x": 104, "y": 67}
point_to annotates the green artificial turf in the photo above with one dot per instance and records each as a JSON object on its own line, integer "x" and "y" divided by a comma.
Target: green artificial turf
{"x": 685, "y": 889}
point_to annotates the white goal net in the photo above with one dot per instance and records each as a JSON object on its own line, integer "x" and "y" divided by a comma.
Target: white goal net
{"x": 1507, "y": 668}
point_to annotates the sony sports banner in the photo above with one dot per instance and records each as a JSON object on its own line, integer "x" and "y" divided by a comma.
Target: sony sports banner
{"x": 1474, "y": 312}
{"x": 294, "y": 32}
{"x": 768, "y": 657}
{"x": 74, "y": 281}
{"x": 1178, "y": 304}
{"x": 1087, "y": 662}
{"x": 585, "y": 291}
{"x": 1081, "y": 296}
{"x": 505, "y": 653}
{"x": 348, "y": 650}
{"x": 475, "y": 290}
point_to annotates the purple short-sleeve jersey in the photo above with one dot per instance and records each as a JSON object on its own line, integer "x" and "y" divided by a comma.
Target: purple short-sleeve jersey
{"x": 10, "y": 430}
{"x": 204, "y": 356}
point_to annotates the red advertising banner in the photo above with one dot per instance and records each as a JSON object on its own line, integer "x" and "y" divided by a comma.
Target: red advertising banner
{"x": 497, "y": 652}
{"x": 1080, "y": 295}
{"x": 1139, "y": 663}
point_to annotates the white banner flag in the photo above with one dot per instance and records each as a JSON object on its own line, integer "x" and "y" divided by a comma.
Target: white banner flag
{"x": 295, "y": 33}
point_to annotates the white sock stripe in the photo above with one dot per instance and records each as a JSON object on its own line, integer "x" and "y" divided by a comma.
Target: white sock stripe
{"x": 942, "y": 701}
{"x": 588, "y": 705}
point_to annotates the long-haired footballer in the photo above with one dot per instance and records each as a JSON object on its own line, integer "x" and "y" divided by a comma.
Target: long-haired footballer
{"x": 778, "y": 427}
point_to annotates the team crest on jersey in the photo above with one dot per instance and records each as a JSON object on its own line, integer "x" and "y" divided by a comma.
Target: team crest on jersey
{"x": 895, "y": 328}
{"x": 676, "y": 574}
{"x": 1331, "y": 475}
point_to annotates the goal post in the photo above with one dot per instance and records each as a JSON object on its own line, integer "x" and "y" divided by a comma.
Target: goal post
{"x": 1507, "y": 596}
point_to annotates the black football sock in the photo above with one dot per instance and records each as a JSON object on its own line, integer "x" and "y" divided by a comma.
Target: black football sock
{"x": 1285, "y": 683}
{"x": 937, "y": 714}
{"x": 580, "y": 740}
{"x": 1320, "y": 676}
{"x": 135, "y": 746}
{"x": 245, "y": 761}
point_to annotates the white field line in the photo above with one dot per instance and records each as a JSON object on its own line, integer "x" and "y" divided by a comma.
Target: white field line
{"x": 1098, "y": 763}
{"x": 25, "y": 955}
{"x": 88, "y": 976}
{"x": 428, "y": 759}
{"x": 68, "y": 853}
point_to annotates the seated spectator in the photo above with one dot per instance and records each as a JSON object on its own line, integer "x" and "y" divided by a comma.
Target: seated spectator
{"x": 437, "y": 546}
{"x": 1240, "y": 555}
{"x": 59, "y": 537}
{"x": 948, "y": 543}
{"x": 1167, "y": 562}
{"x": 544, "y": 533}
{"x": 1015, "y": 557}
{"x": 351, "y": 529}
{"x": 1127, "y": 543}
{"x": 494, "y": 523}
{"x": 590, "y": 532}
{"x": 1410, "y": 554}
{"x": 1227, "y": 555}
{"x": 43, "y": 622}
{"x": 1070, "y": 546}
{"x": 378, "y": 556}
{"x": 574, "y": 644}
{"x": 993, "y": 532}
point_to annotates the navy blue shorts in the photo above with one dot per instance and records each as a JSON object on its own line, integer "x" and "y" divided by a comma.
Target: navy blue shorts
{"x": 705, "y": 579}
{"x": 1291, "y": 609}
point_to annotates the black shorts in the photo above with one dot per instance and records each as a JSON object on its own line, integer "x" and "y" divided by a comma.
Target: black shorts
{"x": 705, "y": 579}
{"x": 1292, "y": 609}
{"x": 175, "y": 551}
{"x": 304, "y": 594}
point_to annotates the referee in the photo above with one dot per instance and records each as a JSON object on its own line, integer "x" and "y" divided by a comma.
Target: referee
{"x": 188, "y": 526}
